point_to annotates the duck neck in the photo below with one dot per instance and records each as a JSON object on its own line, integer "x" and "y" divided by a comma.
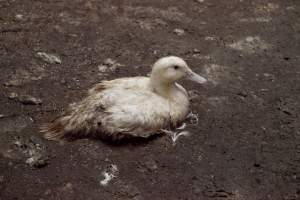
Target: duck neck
{"x": 165, "y": 89}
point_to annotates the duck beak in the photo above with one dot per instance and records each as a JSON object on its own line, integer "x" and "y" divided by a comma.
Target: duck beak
{"x": 195, "y": 77}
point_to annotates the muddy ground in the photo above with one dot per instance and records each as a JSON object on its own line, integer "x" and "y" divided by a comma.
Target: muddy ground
{"x": 246, "y": 145}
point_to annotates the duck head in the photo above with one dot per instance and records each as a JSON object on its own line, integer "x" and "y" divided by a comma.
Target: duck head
{"x": 167, "y": 70}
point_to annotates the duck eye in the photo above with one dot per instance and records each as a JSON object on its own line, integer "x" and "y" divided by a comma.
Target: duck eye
{"x": 176, "y": 67}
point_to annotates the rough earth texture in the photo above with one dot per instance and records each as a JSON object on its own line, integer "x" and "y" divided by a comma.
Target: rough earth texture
{"x": 246, "y": 145}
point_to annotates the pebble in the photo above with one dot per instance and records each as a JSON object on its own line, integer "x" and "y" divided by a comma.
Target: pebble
{"x": 36, "y": 161}
{"x": 19, "y": 17}
{"x": 49, "y": 58}
{"x": 151, "y": 165}
{"x": 25, "y": 99}
{"x": 179, "y": 31}
{"x": 14, "y": 123}
{"x": 109, "y": 65}
{"x": 196, "y": 51}
{"x": 102, "y": 68}
{"x": 34, "y": 152}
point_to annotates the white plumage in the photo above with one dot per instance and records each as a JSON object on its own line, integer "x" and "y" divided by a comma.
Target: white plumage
{"x": 129, "y": 107}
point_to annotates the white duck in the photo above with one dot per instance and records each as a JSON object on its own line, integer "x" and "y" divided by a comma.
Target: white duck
{"x": 129, "y": 107}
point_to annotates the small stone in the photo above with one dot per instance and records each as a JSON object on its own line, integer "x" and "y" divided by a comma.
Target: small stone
{"x": 250, "y": 39}
{"x": 49, "y": 58}
{"x": 29, "y": 100}
{"x": 109, "y": 65}
{"x": 19, "y": 17}
{"x": 15, "y": 82}
{"x": 151, "y": 165}
{"x": 210, "y": 38}
{"x": 13, "y": 95}
{"x": 36, "y": 160}
{"x": 25, "y": 99}
{"x": 68, "y": 186}
{"x": 179, "y": 31}
{"x": 196, "y": 51}
{"x": 14, "y": 123}
{"x": 290, "y": 8}
{"x": 242, "y": 94}
{"x": 102, "y": 68}
{"x": 128, "y": 190}
{"x": 109, "y": 62}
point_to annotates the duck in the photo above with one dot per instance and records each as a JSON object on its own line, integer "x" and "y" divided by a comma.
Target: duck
{"x": 131, "y": 107}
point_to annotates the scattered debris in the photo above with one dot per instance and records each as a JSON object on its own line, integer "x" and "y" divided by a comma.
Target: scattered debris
{"x": 250, "y": 45}
{"x": 179, "y": 31}
{"x": 192, "y": 118}
{"x": 217, "y": 193}
{"x": 102, "y": 68}
{"x": 13, "y": 95}
{"x": 109, "y": 174}
{"x": 125, "y": 190}
{"x": 151, "y": 165}
{"x": 243, "y": 94}
{"x": 22, "y": 76}
{"x": 258, "y": 19}
{"x": 196, "y": 51}
{"x": 36, "y": 159}
{"x": 290, "y": 8}
{"x": 33, "y": 152}
{"x": 109, "y": 65}
{"x": 265, "y": 9}
{"x": 67, "y": 187}
{"x": 15, "y": 82}
{"x": 19, "y": 17}
{"x": 150, "y": 24}
{"x": 25, "y": 99}
{"x": 36, "y": 154}
{"x": 215, "y": 73}
{"x": 14, "y": 123}
{"x": 171, "y": 13}
{"x": 210, "y": 38}
{"x": 49, "y": 58}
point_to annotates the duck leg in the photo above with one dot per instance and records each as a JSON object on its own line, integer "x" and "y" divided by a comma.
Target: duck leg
{"x": 175, "y": 135}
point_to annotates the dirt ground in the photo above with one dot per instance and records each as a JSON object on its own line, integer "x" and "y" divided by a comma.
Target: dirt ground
{"x": 246, "y": 145}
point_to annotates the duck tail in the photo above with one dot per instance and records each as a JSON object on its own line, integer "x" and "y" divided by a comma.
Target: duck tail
{"x": 54, "y": 130}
